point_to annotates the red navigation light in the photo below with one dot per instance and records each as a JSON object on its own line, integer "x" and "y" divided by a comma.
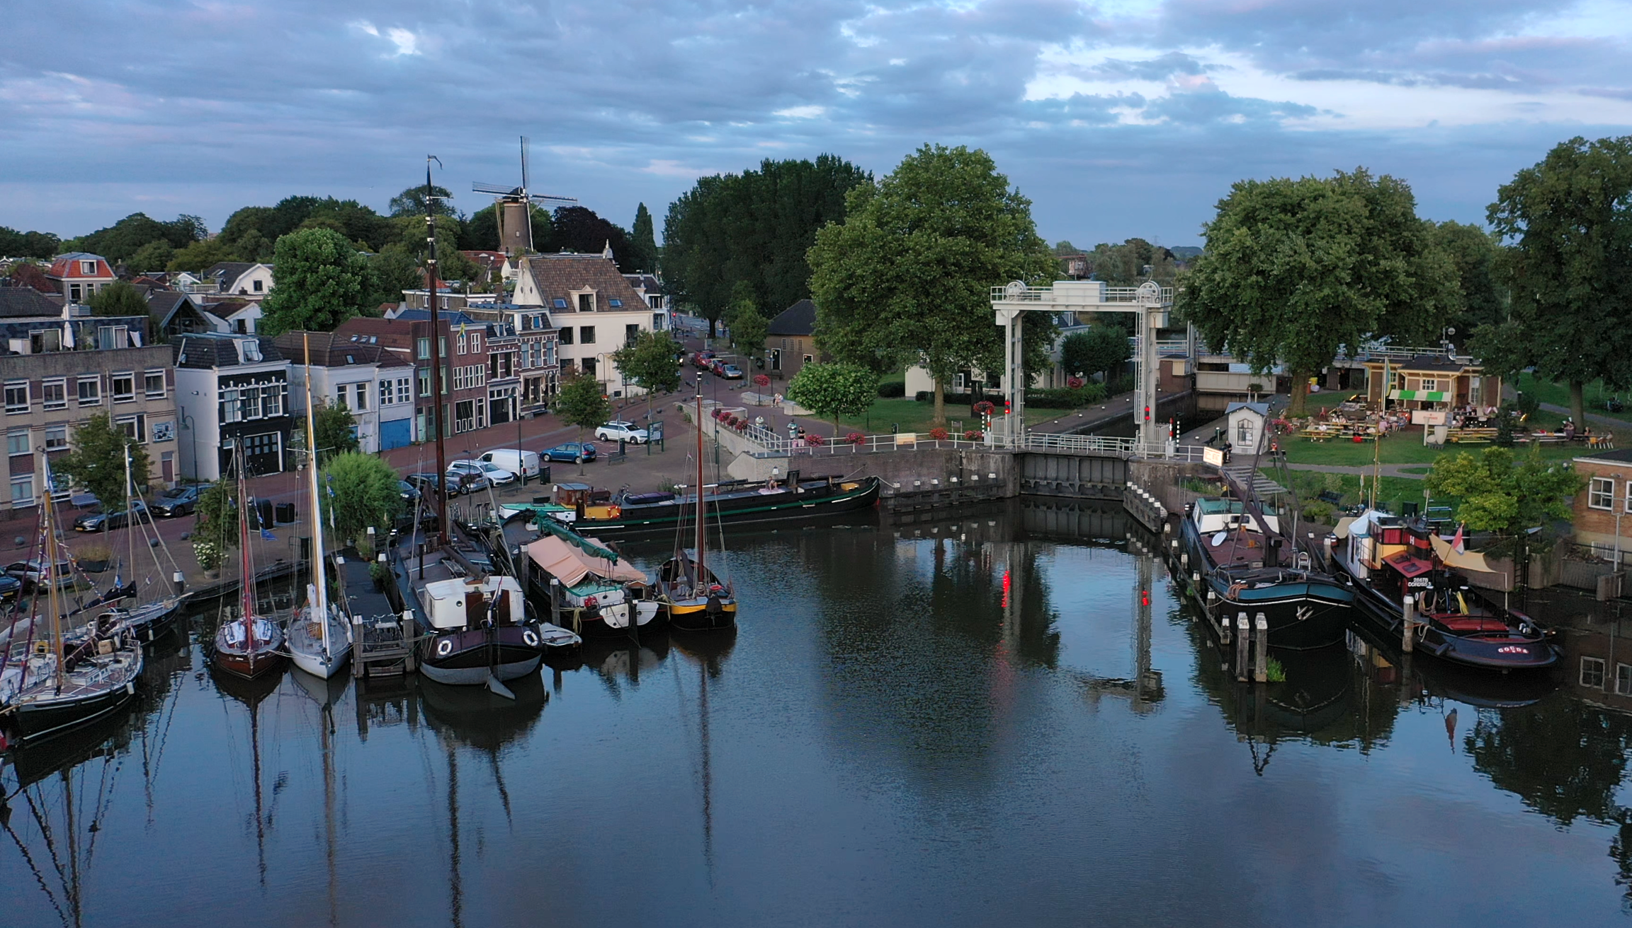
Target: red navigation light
{"x": 1144, "y": 597}
{"x": 1147, "y": 413}
{"x": 1005, "y": 589}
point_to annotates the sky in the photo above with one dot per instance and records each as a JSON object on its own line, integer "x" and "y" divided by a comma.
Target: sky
{"x": 1116, "y": 118}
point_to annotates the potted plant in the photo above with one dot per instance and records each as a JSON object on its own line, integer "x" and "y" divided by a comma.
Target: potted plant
{"x": 938, "y": 434}
{"x": 380, "y": 573}
{"x": 209, "y": 558}
{"x": 93, "y": 559}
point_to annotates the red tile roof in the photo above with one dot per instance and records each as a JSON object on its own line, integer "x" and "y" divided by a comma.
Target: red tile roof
{"x": 67, "y": 267}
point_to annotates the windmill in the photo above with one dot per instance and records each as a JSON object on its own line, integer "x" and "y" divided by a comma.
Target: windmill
{"x": 514, "y": 207}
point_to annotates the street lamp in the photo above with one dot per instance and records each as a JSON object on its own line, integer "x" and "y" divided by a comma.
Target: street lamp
{"x": 188, "y": 423}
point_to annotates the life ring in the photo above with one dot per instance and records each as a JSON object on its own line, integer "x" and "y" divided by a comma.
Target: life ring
{"x": 592, "y": 602}
{"x": 530, "y": 637}
{"x": 614, "y": 512}
{"x": 444, "y": 647}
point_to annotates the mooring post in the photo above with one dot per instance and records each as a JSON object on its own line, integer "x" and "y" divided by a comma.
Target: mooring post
{"x": 1242, "y": 635}
{"x": 1327, "y": 545}
{"x": 1408, "y": 628}
{"x": 178, "y": 581}
{"x": 408, "y": 640}
{"x": 1260, "y": 630}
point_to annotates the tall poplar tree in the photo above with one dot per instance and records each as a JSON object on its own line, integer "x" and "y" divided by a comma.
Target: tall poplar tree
{"x": 643, "y": 242}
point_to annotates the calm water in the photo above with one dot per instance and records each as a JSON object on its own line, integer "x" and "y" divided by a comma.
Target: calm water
{"x": 954, "y": 723}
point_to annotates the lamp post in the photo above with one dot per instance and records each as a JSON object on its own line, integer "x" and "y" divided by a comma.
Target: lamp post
{"x": 189, "y": 423}
{"x": 515, "y": 411}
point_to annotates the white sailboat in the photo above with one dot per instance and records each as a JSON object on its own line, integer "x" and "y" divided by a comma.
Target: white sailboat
{"x": 320, "y": 636}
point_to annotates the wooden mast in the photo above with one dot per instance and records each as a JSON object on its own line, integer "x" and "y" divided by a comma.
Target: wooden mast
{"x": 702, "y": 526}
{"x": 247, "y": 587}
{"x": 436, "y": 354}
{"x": 50, "y": 574}
{"x": 321, "y": 598}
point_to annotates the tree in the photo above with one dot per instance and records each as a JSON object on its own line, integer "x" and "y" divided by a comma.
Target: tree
{"x": 15, "y": 244}
{"x": 411, "y": 202}
{"x": 394, "y": 270}
{"x": 29, "y": 274}
{"x": 122, "y": 240}
{"x": 907, "y": 277}
{"x": 154, "y": 256}
{"x": 748, "y": 325}
{"x": 363, "y": 493}
{"x": 201, "y": 256}
{"x": 755, "y": 226}
{"x": 255, "y": 247}
{"x": 834, "y": 390}
{"x": 582, "y": 403}
{"x": 1475, "y": 253}
{"x": 1101, "y": 349}
{"x": 118, "y": 299}
{"x": 336, "y": 430}
{"x": 1504, "y": 496}
{"x": 1296, "y": 269}
{"x": 579, "y": 229}
{"x": 321, "y": 282}
{"x": 649, "y": 362}
{"x": 643, "y": 242}
{"x": 97, "y": 461}
{"x": 1567, "y": 222}
{"x": 217, "y": 520}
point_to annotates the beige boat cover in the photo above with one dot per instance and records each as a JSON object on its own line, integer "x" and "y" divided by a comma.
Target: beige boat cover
{"x": 570, "y": 565}
{"x": 1468, "y": 560}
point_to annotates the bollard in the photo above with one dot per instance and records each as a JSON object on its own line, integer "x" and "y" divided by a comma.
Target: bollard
{"x": 358, "y": 668}
{"x": 408, "y": 640}
{"x": 1260, "y": 667}
{"x": 1407, "y": 629}
{"x": 1242, "y": 634}
{"x": 1328, "y": 544}
{"x": 179, "y": 581}
{"x": 1184, "y": 560}
{"x": 1175, "y": 545}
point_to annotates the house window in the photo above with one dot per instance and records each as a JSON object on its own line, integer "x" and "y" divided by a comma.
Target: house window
{"x": 90, "y": 391}
{"x": 124, "y": 387}
{"x": 88, "y": 268}
{"x": 56, "y": 437}
{"x": 464, "y": 416}
{"x": 424, "y": 383}
{"x": 538, "y": 321}
{"x": 256, "y": 286}
{"x": 362, "y": 396}
{"x": 656, "y": 301}
{"x": 476, "y": 342}
{"x": 1601, "y": 495}
{"x": 22, "y": 491}
{"x": 249, "y": 403}
{"x": 229, "y": 410}
{"x": 630, "y": 333}
{"x": 566, "y": 335}
{"x": 17, "y": 442}
{"x": 405, "y": 390}
{"x": 1430, "y": 383}
{"x": 559, "y": 303}
{"x": 73, "y": 293}
{"x": 45, "y": 340}
{"x": 478, "y": 374}
{"x": 615, "y": 304}
{"x": 272, "y": 400}
{"x": 340, "y": 396}
{"x": 424, "y": 350}
{"x": 153, "y": 384}
{"x": 1592, "y": 672}
{"x": 461, "y": 343}
{"x": 1623, "y": 679}
{"x": 16, "y": 397}
{"x": 135, "y": 427}
{"x": 109, "y": 337}
{"x": 55, "y": 393}
{"x": 586, "y": 302}
{"x": 586, "y": 335}
{"x": 1244, "y": 432}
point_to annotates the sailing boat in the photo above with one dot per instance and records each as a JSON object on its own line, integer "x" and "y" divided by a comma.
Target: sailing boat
{"x": 250, "y": 646}
{"x": 146, "y": 620}
{"x": 320, "y": 636}
{"x": 688, "y": 591}
{"x": 49, "y": 686}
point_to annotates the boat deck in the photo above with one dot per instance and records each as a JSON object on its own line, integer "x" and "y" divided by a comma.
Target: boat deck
{"x": 380, "y": 644}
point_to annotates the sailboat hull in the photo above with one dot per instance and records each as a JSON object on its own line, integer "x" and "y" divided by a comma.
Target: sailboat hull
{"x": 100, "y": 686}
{"x": 307, "y": 652}
{"x": 265, "y": 656}
{"x": 467, "y": 657}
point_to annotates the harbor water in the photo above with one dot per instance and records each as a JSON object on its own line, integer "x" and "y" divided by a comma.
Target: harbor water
{"x": 1005, "y": 718}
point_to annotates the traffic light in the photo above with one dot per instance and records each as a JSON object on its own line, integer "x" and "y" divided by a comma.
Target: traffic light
{"x": 1147, "y": 413}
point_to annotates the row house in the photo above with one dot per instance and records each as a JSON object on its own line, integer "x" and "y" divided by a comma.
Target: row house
{"x": 353, "y": 372}
{"x": 244, "y": 279}
{"x": 464, "y": 366}
{"x": 49, "y": 393}
{"x": 483, "y": 368}
{"x": 232, "y": 392}
{"x": 80, "y": 276}
{"x": 594, "y": 309}
{"x": 536, "y": 366}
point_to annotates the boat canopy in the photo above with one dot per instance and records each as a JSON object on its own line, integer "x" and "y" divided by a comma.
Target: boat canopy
{"x": 1408, "y": 565}
{"x": 570, "y": 564}
{"x": 1465, "y": 560}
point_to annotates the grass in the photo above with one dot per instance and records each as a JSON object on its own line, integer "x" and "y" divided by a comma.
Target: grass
{"x": 1398, "y": 448}
{"x": 1393, "y": 491}
{"x": 1559, "y": 395}
{"x": 914, "y": 416}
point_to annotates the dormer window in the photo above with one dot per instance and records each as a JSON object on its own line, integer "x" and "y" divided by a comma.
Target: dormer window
{"x": 88, "y": 268}
{"x": 256, "y": 285}
{"x": 251, "y": 350}
{"x": 586, "y": 302}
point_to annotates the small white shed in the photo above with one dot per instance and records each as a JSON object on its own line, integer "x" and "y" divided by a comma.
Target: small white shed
{"x": 1249, "y": 427}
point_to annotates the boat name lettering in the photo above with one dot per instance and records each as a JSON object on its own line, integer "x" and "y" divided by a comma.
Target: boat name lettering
{"x": 1420, "y": 583}
{"x": 1512, "y": 649}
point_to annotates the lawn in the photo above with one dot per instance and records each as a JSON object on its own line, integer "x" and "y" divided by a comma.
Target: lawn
{"x": 1558, "y": 394}
{"x": 1398, "y": 448}
{"x": 1395, "y": 490}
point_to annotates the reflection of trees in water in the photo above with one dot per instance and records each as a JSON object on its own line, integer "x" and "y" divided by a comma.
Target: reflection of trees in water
{"x": 1562, "y": 757}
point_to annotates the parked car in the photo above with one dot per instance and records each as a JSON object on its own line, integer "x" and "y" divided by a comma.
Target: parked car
{"x": 731, "y": 372}
{"x": 178, "y": 501}
{"x": 619, "y": 430}
{"x": 514, "y": 460}
{"x": 428, "y": 483}
{"x": 9, "y": 586}
{"x": 701, "y": 359}
{"x": 408, "y": 492}
{"x": 466, "y": 477}
{"x": 570, "y": 451}
{"x": 31, "y": 572}
{"x": 496, "y": 475}
{"x": 119, "y": 518}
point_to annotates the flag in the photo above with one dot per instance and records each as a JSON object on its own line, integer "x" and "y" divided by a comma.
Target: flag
{"x": 67, "y": 334}
{"x": 1457, "y": 542}
{"x": 266, "y": 534}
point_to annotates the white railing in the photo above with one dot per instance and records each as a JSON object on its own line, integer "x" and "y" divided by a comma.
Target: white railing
{"x": 1086, "y": 296}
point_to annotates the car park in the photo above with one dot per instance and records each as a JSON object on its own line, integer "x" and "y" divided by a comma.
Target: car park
{"x": 570, "y": 451}
{"x": 177, "y": 501}
{"x": 619, "y": 430}
{"x": 118, "y": 518}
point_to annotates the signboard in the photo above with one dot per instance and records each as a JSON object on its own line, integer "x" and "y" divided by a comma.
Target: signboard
{"x": 1213, "y": 456}
{"x": 1428, "y": 416}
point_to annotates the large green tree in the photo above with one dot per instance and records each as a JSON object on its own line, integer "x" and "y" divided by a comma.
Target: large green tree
{"x": 907, "y": 277}
{"x": 118, "y": 299}
{"x": 364, "y": 493}
{"x": 154, "y": 256}
{"x": 1296, "y": 269}
{"x": 97, "y": 461}
{"x": 201, "y": 256}
{"x": 411, "y": 202}
{"x": 336, "y": 431}
{"x": 582, "y": 403}
{"x": 580, "y": 229}
{"x": 1099, "y": 349}
{"x": 1504, "y": 495}
{"x": 321, "y": 282}
{"x": 643, "y": 242}
{"x": 748, "y": 325}
{"x": 834, "y": 390}
{"x": 394, "y": 270}
{"x": 649, "y": 362}
{"x": 1567, "y": 222}
{"x": 122, "y": 240}
{"x": 756, "y": 227}
{"x": 15, "y": 244}
{"x": 1476, "y": 255}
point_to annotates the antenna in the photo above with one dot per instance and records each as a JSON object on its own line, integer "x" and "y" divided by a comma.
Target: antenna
{"x": 514, "y": 205}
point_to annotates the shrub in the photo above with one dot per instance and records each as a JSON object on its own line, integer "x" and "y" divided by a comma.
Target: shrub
{"x": 813, "y": 440}
{"x": 760, "y": 380}
{"x": 893, "y": 388}
{"x": 974, "y": 435}
{"x": 985, "y": 408}
{"x": 208, "y": 554}
{"x": 938, "y": 434}
{"x": 856, "y": 438}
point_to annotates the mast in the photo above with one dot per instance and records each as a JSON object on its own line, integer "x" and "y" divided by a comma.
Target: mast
{"x": 436, "y": 352}
{"x": 50, "y": 574}
{"x": 247, "y": 587}
{"x": 702, "y": 526}
{"x": 130, "y": 516}
{"x": 321, "y": 603}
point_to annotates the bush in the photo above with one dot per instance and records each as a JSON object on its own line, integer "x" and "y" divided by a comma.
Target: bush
{"x": 1319, "y": 511}
{"x": 760, "y": 380}
{"x": 813, "y": 440}
{"x": 856, "y": 438}
{"x": 1069, "y": 398}
{"x": 893, "y": 388}
{"x": 938, "y": 434}
{"x": 974, "y": 435}
{"x": 208, "y": 554}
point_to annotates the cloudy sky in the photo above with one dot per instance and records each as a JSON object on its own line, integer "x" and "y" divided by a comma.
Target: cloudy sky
{"x": 1117, "y": 118}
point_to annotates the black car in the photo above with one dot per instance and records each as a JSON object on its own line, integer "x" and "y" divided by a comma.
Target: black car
{"x": 428, "y": 483}
{"x": 10, "y": 586}
{"x": 176, "y": 502}
{"x": 119, "y": 518}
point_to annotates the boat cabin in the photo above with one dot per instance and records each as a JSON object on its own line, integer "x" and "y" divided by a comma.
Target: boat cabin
{"x": 1217, "y": 515}
{"x": 464, "y": 602}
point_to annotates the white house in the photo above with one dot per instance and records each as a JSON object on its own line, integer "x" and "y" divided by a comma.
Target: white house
{"x": 594, "y": 309}
{"x": 1248, "y": 428}
{"x": 348, "y": 370}
{"x": 231, "y": 390}
{"x": 245, "y": 279}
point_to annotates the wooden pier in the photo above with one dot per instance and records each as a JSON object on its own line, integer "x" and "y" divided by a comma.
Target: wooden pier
{"x": 381, "y": 639}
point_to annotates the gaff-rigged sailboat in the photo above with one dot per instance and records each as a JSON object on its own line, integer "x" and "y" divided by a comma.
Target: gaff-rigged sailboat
{"x": 152, "y": 618}
{"x": 249, "y": 646}
{"x": 49, "y": 685}
{"x": 320, "y": 636}
{"x": 688, "y": 591}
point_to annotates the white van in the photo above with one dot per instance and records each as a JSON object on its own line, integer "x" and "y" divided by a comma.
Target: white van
{"x": 514, "y": 460}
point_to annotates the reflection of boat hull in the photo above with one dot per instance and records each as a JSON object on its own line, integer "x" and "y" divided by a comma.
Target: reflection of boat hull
{"x": 1304, "y": 610}
{"x": 467, "y": 657}
{"x": 480, "y": 718}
